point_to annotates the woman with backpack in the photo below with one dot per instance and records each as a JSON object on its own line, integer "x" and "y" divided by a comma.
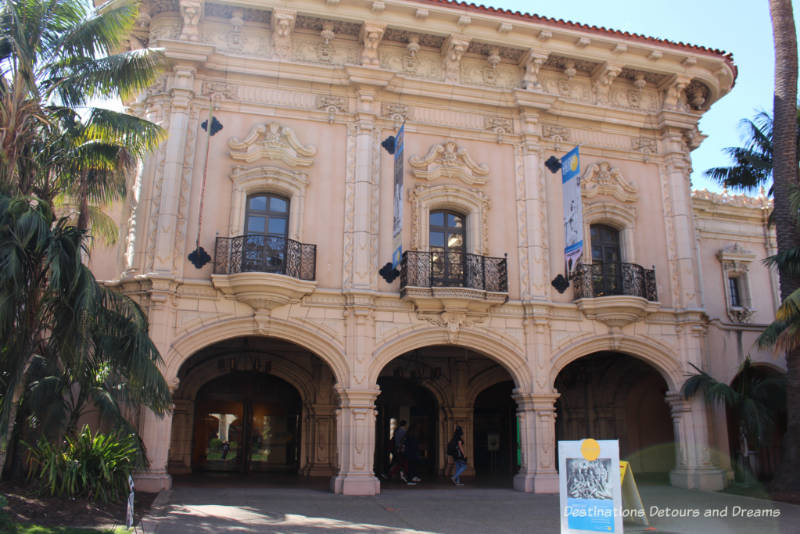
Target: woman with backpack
{"x": 455, "y": 448}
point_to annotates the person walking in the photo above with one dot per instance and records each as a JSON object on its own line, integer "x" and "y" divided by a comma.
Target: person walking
{"x": 455, "y": 448}
{"x": 399, "y": 461}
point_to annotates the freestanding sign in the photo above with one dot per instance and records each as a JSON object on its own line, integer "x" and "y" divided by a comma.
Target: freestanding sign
{"x": 397, "y": 221}
{"x": 589, "y": 483}
{"x": 573, "y": 209}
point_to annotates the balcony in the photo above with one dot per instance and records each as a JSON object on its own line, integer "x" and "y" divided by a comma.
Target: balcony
{"x": 264, "y": 271}
{"x": 466, "y": 283}
{"x": 615, "y": 294}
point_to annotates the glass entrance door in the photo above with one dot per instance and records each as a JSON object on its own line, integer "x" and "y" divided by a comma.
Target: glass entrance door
{"x": 247, "y": 422}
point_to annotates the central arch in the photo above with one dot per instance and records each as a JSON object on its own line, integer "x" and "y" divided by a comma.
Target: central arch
{"x": 495, "y": 347}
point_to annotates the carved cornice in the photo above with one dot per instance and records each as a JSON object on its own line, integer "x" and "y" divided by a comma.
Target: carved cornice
{"x": 449, "y": 160}
{"x": 273, "y": 142}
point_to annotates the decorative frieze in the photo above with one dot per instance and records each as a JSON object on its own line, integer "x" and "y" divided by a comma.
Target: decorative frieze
{"x": 331, "y": 104}
{"x": 500, "y": 126}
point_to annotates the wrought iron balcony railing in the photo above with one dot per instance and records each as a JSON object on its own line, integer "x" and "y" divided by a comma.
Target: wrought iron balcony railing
{"x": 265, "y": 254}
{"x": 604, "y": 279}
{"x": 433, "y": 269}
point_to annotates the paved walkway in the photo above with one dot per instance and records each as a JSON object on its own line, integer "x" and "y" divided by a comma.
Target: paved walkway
{"x": 437, "y": 508}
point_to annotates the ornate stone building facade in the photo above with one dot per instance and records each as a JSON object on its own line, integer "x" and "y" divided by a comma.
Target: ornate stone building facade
{"x": 289, "y": 352}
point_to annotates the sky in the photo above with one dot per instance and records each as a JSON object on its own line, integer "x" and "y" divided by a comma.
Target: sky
{"x": 742, "y": 27}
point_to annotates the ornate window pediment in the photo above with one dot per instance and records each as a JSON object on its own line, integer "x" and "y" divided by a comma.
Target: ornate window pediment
{"x": 601, "y": 179}
{"x": 735, "y": 262}
{"x": 449, "y": 160}
{"x": 272, "y": 141}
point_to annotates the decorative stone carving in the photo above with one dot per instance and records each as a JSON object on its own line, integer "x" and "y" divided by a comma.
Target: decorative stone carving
{"x": 500, "y": 126}
{"x": 140, "y": 34}
{"x": 602, "y": 82}
{"x": 674, "y": 97}
{"x": 490, "y": 72}
{"x": 235, "y": 38}
{"x": 398, "y": 113}
{"x": 190, "y": 11}
{"x": 325, "y": 49}
{"x": 697, "y": 95}
{"x": 331, "y": 104}
{"x": 558, "y": 134}
{"x": 601, "y": 179}
{"x": 272, "y": 141}
{"x": 410, "y": 60}
{"x": 569, "y": 69}
{"x": 219, "y": 89}
{"x": 647, "y": 146}
{"x": 452, "y": 51}
{"x": 532, "y": 61}
{"x": 371, "y": 35}
{"x": 283, "y": 21}
{"x": 449, "y": 160}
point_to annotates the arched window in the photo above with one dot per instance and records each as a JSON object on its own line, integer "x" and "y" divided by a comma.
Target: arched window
{"x": 606, "y": 260}
{"x": 447, "y": 241}
{"x": 266, "y": 226}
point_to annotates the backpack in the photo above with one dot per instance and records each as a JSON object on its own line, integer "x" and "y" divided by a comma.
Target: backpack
{"x": 452, "y": 448}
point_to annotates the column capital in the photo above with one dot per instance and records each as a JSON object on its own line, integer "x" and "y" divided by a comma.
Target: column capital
{"x": 356, "y": 397}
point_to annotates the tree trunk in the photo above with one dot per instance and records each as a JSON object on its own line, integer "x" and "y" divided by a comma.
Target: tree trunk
{"x": 8, "y": 433}
{"x": 786, "y": 225}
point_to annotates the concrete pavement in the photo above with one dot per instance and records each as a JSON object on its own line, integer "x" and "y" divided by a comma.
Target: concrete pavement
{"x": 438, "y": 508}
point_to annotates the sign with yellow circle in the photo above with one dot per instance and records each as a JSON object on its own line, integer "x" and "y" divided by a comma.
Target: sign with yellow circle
{"x": 590, "y": 449}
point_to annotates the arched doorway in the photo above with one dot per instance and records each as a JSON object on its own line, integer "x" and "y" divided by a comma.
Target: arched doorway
{"x": 435, "y": 388}
{"x": 609, "y": 395}
{"x": 247, "y": 422}
{"x": 254, "y": 404}
{"x": 496, "y": 436}
{"x": 404, "y": 399}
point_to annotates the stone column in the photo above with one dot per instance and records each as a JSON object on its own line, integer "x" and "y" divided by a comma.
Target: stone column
{"x": 531, "y": 209}
{"x": 679, "y": 219}
{"x": 182, "y": 94}
{"x": 537, "y": 424}
{"x": 180, "y": 452}
{"x": 321, "y": 440}
{"x": 155, "y": 432}
{"x": 355, "y": 440}
{"x": 693, "y": 467}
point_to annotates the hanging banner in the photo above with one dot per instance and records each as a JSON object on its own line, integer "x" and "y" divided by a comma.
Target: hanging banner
{"x": 589, "y": 484}
{"x": 573, "y": 209}
{"x": 397, "y": 221}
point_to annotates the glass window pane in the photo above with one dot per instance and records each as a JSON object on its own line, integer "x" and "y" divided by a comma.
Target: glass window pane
{"x": 437, "y": 218}
{"x": 454, "y": 221}
{"x": 255, "y": 225}
{"x": 278, "y": 204}
{"x": 258, "y": 203}
{"x": 437, "y": 239}
{"x": 277, "y": 225}
{"x": 455, "y": 241}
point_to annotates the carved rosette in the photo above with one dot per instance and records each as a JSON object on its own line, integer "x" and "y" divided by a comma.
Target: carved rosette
{"x": 449, "y": 160}
{"x": 272, "y": 141}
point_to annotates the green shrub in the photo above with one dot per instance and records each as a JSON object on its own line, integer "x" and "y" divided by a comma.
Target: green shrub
{"x": 96, "y": 466}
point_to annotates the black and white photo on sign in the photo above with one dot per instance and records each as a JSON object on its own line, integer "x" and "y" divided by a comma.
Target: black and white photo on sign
{"x": 589, "y": 479}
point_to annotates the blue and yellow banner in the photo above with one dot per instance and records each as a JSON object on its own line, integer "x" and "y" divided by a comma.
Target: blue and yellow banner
{"x": 397, "y": 221}
{"x": 573, "y": 209}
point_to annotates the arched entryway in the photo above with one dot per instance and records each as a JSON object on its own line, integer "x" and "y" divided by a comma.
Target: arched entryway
{"x": 610, "y": 395}
{"x": 254, "y": 404}
{"x": 435, "y": 388}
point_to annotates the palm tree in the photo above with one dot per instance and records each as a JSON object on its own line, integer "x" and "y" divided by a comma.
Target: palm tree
{"x": 784, "y": 177}
{"x": 56, "y": 56}
{"x": 752, "y": 163}
{"x": 66, "y": 340}
{"x": 756, "y": 401}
